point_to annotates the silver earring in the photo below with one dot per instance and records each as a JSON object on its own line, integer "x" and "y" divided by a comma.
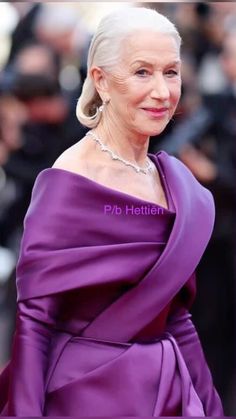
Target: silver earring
{"x": 105, "y": 102}
{"x": 101, "y": 108}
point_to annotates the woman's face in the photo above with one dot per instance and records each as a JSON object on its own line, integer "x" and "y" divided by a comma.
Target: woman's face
{"x": 145, "y": 86}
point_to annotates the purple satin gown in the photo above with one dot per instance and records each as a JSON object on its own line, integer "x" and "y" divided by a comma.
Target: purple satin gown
{"x": 104, "y": 291}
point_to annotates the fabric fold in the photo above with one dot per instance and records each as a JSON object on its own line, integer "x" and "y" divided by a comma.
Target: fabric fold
{"x": 103, "y": 301}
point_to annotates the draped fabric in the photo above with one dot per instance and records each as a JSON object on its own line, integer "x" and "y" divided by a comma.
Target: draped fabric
{"x": 104, "y": 288}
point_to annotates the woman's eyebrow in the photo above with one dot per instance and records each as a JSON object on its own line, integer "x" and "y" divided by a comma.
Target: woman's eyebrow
{"x": 175, "y": 62}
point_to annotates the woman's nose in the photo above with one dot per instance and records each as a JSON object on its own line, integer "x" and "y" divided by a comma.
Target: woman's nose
{"x": 160, "y": 88}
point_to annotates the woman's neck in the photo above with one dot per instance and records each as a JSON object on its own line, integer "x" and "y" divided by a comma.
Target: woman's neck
{"x": 126, "y": 144}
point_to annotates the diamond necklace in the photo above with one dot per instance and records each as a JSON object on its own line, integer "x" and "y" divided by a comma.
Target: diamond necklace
{"x": 116, "y": 157}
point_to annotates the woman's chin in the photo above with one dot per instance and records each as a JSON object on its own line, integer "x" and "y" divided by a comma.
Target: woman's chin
{"x": 153, "y": 128}
{"x": 152, "y": 132}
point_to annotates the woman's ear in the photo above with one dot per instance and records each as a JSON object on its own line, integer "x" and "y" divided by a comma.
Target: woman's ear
{"x": 100, "y": 80}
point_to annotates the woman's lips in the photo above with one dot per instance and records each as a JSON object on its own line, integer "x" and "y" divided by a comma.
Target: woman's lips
{"x": 157, "y": 112}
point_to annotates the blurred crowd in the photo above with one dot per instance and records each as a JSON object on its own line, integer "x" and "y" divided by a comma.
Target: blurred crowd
{"x": 39, "y": 87}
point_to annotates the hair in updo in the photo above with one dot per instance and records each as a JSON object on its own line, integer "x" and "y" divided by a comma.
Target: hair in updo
{"x": 104, "y": 51}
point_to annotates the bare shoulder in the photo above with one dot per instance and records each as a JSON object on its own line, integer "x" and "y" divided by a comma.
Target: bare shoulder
{"x": 77, "y": 159}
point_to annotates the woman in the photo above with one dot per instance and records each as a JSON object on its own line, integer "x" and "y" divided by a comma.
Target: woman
{"x": 112, "y": 238}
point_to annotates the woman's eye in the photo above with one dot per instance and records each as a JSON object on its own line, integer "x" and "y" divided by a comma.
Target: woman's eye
{"x": 141, "y": 72}
{"x": 172, "y": 72}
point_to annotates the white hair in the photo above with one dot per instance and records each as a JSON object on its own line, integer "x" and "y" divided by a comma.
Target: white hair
{"x": 105, "y": 49}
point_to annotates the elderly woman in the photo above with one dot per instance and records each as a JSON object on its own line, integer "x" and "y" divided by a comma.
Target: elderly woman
{"x": 112, "y": 239}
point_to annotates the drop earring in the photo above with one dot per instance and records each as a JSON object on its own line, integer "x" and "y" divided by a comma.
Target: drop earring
{"x": 104, "y": 103}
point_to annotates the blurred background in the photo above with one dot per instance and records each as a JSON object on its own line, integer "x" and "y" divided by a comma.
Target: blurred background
{"x": 43, "y": 53}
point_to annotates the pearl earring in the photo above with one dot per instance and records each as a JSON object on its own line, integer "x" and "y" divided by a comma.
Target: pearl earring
{"x": 105, "y": 102}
